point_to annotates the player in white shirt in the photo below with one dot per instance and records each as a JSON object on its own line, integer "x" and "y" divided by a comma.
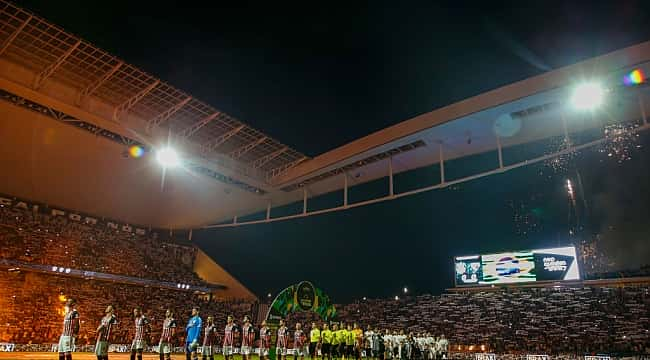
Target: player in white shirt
{"x": 368, "y": 342}
{"x": 443, "y": 346}
{"x": 388, "y": 342}
{"x": 401, "y": 342}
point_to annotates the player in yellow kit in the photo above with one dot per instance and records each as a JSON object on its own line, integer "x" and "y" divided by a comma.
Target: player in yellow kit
{"x": 334, "y": 349}
{"x": 342, "y": 336}
{"x": 314, "y": 340}
{"x": 349, "y": 342}
{"x": 326, "y": 342}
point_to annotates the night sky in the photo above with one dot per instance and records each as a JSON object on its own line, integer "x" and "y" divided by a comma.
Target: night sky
{"x": 318, "y": 75}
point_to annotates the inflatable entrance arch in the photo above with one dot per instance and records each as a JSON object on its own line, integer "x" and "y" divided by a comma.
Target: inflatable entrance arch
{"x": 303, "y": 296}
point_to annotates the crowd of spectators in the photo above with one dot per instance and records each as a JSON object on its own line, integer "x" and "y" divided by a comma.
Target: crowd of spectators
{"x": 522, "y": 320}
{"x": 58, "y": 241}
{"x": 32, "y": 307}
{"x": 518, "y": 320}
{"x": 511, "y": 320}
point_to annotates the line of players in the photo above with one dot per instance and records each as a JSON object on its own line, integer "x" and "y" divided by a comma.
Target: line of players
{"x": 344, "y": 342}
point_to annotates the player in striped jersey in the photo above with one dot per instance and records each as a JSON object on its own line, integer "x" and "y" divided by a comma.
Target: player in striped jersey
{"x": 229, "y": 337}
{"x": 104, "y": 333}
{"x": 299, "y": 342}
{"x": 167, "y": 335}
{"x": 209, "y": 335}
{"x": 141, "y": 333}
{"x": 247, "y": 338}
{"x": 193, "y": 331}
{"x": 70, "y": 330}
{"x": 283, "y": 341}
{"x": 265, "y": 341}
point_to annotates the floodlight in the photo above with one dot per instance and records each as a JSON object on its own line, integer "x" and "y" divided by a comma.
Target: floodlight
{"x": 587, "y": 96}
{"x": 167, "y": 157}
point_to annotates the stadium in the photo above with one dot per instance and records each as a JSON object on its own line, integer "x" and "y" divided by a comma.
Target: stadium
{"x": 130, "y": 208}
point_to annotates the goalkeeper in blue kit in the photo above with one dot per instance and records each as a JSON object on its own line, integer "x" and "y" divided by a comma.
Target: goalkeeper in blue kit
{"x": 193, "y": 331}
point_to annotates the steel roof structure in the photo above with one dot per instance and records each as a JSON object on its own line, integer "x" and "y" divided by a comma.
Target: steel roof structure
{"x": 50, "y": 79}
{"x": 54, "y": 54}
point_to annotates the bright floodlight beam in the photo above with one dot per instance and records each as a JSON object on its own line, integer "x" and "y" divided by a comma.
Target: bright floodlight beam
{"x": 587, "y": 96}
{"x": 167, "y": 157}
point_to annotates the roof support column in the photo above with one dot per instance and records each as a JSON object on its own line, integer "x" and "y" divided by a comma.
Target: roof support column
{"x": 13, "y": 35}
{"x": 268, "y": 211}
{"x": 50, "y": 69}
{"x": 91, "y": 88}
{"x": 345, "y": 189}
{"x": 499, "y": 151}
{"x": 391, "y": 192}
{"x": 442, "y": 166}
{"x": 304, "y": 201}
{"x": 565, "y": 127}
{"x": 129, "y": 103}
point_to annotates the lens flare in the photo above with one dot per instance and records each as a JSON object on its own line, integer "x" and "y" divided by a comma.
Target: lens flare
{"x": 167, "y": 157}
{"x": 587, "y": 96}
{"x": 136, "y": 151}
{"x": 635, "y": 77}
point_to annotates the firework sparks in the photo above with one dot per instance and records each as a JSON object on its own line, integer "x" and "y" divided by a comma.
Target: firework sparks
{"x": 570, "y": 191}
{"x": 561, "y": 163}
{"x": 620, "y": 142}
{"x": 525, "y": 220}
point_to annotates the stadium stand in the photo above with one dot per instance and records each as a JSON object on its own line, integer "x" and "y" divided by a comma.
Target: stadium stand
{"x": 546, "y": 320}
{"x": 574, "y": 320}
{"x": 517, "y": 320}
{"x": 55, "y": 240}
{"x": 31, "y": 310}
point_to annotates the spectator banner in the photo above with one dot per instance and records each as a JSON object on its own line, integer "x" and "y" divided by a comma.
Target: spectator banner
{"x": 300, "y": 297}
{"x": 70, "y": 215}
{"x": 517, "y": 267}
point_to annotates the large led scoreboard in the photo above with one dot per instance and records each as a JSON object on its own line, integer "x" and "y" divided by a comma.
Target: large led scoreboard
{"x": 555, "y": 264}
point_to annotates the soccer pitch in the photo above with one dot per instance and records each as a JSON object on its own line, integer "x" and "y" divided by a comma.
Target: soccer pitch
{"x": 91, "y": 356}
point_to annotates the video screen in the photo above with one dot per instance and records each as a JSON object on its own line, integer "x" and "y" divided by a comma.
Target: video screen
{"x": 555, "y": 264}
{"x": 468, "y": 270}
{"x": 505, "y": 268}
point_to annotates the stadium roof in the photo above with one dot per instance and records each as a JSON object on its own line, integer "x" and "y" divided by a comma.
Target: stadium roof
{"x": 71, "y": 110}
